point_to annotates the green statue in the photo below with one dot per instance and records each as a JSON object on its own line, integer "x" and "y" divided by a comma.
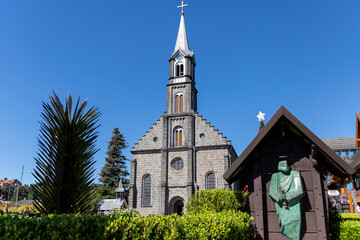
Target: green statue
{"x": 287, "y": 191}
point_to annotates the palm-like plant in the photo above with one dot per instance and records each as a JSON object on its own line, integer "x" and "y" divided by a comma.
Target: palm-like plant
{"x": 64, "y": 163}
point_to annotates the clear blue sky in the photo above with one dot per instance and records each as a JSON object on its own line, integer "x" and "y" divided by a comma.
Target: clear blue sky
{"x": 251, "y": 55}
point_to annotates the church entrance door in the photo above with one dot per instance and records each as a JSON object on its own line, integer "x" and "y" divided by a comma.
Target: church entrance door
{"x": 179, "y": 207}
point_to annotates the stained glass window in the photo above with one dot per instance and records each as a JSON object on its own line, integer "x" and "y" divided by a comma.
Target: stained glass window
{"x": 177, "y": 164}
{"x": 146, "y": 190}
{"x": 210, "y": 181}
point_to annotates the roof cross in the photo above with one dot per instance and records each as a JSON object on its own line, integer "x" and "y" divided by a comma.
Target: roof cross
{"x": 182, "y": 6}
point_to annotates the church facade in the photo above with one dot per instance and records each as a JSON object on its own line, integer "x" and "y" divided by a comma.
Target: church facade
{"x": 181, "y": 153}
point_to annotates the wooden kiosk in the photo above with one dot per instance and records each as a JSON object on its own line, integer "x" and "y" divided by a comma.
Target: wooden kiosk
{"x": 285, "y": 136}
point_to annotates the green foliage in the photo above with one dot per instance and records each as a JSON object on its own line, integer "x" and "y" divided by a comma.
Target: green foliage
{"x": 52, "y": 227}
{"x": 128, "y": 225}
{"x": 104, "y": 191}
{"x": 115, "y": 162}
{"x": 8, "y": 190}
{"x": 64, "y": 163}
{"x": 25, "y": 191}
{"x": 125, "y": 212}
{"x": 349, "y": 226}
{"x": 334, "y": 221}
{"x": 344, "y": 226}
{"x": 217, "y": 200}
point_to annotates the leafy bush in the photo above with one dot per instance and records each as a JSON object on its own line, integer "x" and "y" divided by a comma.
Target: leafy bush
{"x": 334, "y": 221}
{"x": 349, "y": 226}
{"x": 224, "y": 225}
{"x": 217, "y": 200}
{"x": 125, "y": 212}
{"x": 344, "y": 226}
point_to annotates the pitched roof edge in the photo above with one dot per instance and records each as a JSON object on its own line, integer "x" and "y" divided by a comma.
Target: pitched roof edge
{"x": 282, "y": 111}
{"x": 142, "y": 137}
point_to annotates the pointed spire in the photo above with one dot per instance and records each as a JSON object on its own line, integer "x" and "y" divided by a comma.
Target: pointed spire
{"x": 182, "y": 40}
{"x": 120, "y": 188}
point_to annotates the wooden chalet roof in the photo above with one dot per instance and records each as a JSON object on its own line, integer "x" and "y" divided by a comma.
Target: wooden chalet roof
{"x": 340, "y": 143}
{"x": 337, "y": 163}
{"x": 356, "y": 160}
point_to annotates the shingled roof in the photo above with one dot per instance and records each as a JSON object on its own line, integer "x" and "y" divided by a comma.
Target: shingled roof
{"x": 340, "y": 143}
{"x": 336, "y": 162}
{"x": 356, "y": 160}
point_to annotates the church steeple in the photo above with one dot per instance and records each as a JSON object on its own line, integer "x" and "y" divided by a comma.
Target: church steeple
{"x": 182, "y": 40}
{"x": 182, "y": 61}
{"x": 181, "y": 88}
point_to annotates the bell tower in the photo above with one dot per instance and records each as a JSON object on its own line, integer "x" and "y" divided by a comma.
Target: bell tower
{"x": 182, "y": 74}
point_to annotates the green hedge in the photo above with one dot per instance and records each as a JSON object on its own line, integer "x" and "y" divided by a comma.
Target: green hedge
{"x": 349, "y": 226}
{"x": 224, "y": 225}
{"x": 217, "y": 200}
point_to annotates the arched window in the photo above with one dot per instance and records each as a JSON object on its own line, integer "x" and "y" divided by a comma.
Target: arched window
{"x": 179, "y": 102}
{"x": 210, "y": 181}
{"x": 178, "y": 136}
{"x": 146, "y": 190}
{"x": 179, "y": 70}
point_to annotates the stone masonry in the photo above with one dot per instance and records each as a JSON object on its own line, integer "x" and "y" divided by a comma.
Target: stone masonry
{"x": 181, "y": 135}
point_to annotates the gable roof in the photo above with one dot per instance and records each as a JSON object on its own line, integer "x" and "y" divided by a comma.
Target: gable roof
{"x": 340, "y": 143}
{"x": 110, "y": 204}
{"x": 356, "y": 160}
{"x": 332, "y": 158}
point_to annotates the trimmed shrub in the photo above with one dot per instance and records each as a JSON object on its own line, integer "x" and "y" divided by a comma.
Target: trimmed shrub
{"x": 217, "y": 200}
{"x": 224, "y": 225}
{"x": 349, "y": 226}
{"x": 344, "y": 226}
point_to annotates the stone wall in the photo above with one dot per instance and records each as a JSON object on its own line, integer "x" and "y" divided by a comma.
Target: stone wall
{"x": 212, "y": 161}
{"x": 207, "y": 135}
{"x": 149, "y": 164}
{"x": 153, "y": 138}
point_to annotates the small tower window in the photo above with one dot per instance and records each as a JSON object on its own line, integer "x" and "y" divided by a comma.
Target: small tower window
{"x": 210, "y": 181}
{"x": 179, "y": 102}
{"x": 178, "y": 137}
{"x": 179, "y": 70}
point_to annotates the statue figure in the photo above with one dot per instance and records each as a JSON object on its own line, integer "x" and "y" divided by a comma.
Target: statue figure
{"x": 26, "y": 211}
{"x": 6, "y": 210}
{"x": 287, "y": 191}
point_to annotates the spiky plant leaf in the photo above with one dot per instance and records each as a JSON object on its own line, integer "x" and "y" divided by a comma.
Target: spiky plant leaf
{"x": 64, "y": 170}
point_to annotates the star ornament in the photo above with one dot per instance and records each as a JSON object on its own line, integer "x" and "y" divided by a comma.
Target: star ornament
{"x": 261, "y": 116}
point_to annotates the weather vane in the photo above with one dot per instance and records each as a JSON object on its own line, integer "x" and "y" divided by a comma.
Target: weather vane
{"x": 182, "y": 6}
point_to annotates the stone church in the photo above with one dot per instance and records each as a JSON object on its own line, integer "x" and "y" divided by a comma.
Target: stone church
{"x": 181, "y": 153}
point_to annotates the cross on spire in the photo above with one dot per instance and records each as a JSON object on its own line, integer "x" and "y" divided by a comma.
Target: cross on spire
{"x": 182, "y": 7}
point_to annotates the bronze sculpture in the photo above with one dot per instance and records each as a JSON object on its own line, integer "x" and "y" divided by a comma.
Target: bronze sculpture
{"x": 287, "y": 191}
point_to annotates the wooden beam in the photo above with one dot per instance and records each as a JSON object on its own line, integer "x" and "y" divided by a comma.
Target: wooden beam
{"x": 320, "y": 212}
{"x": 259, "y": 205}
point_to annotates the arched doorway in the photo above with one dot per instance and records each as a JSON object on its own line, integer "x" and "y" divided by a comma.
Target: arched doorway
{"x": 179, "y": 207}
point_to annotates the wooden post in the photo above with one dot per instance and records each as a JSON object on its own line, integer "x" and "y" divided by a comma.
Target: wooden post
{"x": 318, "y": 197}
{"x": 351, "y": 202}
{"x": 259, "y": 212}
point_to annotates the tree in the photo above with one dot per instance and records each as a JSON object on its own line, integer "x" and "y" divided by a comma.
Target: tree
{"x": 115, "y": 166}
{"x": 64, "y": 163}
